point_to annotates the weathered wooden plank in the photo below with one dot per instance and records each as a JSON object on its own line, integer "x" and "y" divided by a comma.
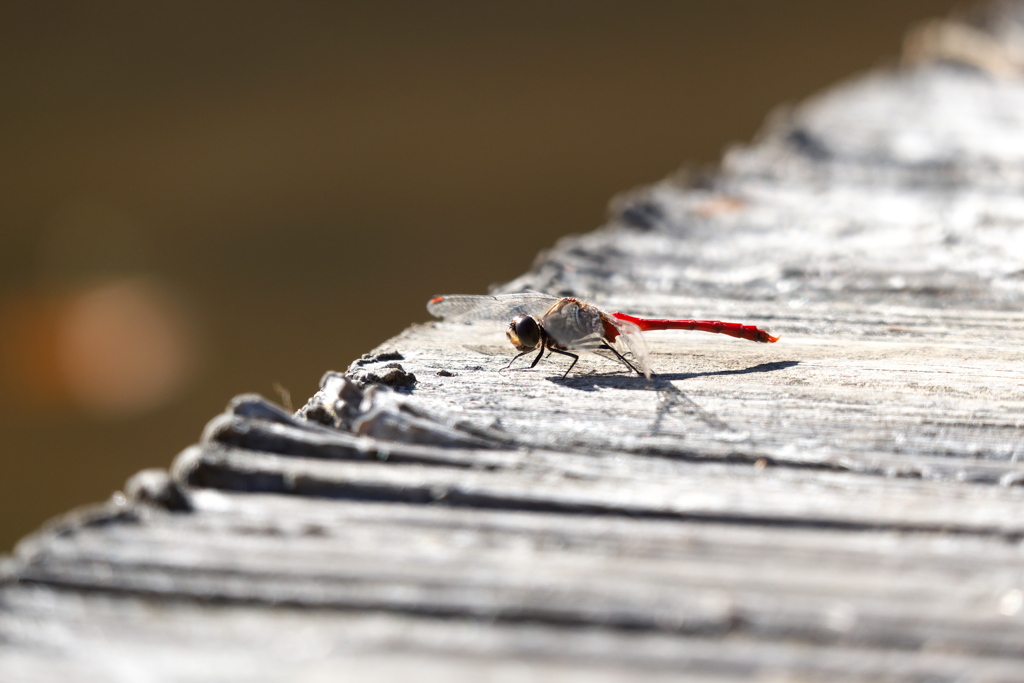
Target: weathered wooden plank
{"x": 229, "y": 642}
{"x": 954, "y": 398}
{"x": 691, "y": 578}
{"x": 669, "y": 489}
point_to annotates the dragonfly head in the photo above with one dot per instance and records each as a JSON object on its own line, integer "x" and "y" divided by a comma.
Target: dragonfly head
{"x": 524, "y": 333}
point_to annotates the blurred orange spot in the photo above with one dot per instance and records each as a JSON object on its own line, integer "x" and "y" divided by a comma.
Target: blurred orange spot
{"x": 124, "y": 347}
{"x": 121, "y": 347}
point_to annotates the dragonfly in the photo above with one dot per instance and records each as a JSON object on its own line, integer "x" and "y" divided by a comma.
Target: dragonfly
{"x": 543, "y": 322}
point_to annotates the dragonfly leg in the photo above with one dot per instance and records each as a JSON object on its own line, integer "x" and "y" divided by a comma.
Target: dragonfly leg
{"x": 537, "y": 359}
{"x": 620, "y": 357}
{"x": 571, "y": 355}
{"x": 518, "y": 356}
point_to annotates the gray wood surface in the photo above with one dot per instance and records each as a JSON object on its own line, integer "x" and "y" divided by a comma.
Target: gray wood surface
{"x": 845, "y": 504}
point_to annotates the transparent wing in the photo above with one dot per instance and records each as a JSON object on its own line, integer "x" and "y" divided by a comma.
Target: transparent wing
{"x": 468, "y": 308}
{"x": 591, "y": 342}
{"x": 630, "y": 343}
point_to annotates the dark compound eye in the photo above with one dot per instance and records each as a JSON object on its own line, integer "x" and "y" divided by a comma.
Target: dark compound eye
{"x": 524, "y": 332}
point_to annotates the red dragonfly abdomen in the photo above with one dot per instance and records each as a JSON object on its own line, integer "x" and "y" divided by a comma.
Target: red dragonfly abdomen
{"x": 731, "y": 329}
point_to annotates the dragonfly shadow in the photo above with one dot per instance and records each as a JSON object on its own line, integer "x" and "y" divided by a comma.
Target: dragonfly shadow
{"x": 761, "y": 367}
{"x": 587, "y": 382}
{"x": 672, "y": 401}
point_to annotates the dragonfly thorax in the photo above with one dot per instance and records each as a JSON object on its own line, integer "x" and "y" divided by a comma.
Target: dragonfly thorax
{"x": 524, "y": 332}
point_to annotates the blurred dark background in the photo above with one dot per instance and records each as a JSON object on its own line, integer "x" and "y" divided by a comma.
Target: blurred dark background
{"x": 204, "y": 199}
